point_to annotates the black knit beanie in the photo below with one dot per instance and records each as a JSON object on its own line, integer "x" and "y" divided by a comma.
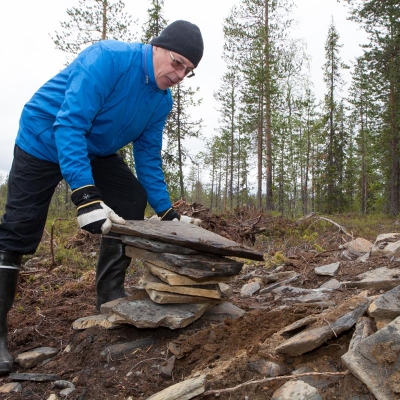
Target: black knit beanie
{"x": 182, "y": 37}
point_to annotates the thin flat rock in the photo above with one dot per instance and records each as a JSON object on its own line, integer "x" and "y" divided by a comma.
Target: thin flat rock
{"x": 149, "y": 281}
{"x": 187, "y": 235}
{"x": 161, "y": 297}
{"x": 156, "y": 246}
{"x": 197, "y": 267}
{"x": 147, "y": 314}
{"x": 34, "y": 377}
{"x": 172, "y": 278}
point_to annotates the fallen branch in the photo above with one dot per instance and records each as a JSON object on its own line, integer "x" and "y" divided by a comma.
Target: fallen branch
{"x": 341, "y": 229}
{"x": 313, "y": 216}
{"x": 218, "y": 392}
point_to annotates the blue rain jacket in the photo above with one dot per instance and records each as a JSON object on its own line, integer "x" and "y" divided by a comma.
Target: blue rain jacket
{"x": 104, "y": 100}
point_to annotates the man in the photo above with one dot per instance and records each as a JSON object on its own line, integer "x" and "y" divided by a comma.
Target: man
{"x": 114, "y": 93}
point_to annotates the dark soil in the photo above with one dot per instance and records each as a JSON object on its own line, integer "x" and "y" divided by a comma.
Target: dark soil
{"x": 51, "y": 298}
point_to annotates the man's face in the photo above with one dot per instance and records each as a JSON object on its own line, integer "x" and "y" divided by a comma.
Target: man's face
{"x": 169, "y": 67}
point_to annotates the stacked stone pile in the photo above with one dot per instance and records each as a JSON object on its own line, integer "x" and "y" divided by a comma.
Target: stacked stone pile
{"x": 187, "y": 271}
{"x": 177, "y": 275}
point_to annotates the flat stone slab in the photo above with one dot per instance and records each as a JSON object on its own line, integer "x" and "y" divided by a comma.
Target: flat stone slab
{"x": 292, "y": 294}
{"x": 183, "y": 390}
{"x": 329, "y": 324}
{"x": 223, "y": 311}
{"x": 332, "y": 284}
{"x": 249, "y": 289}
{"x": 156, "y": 246}
{"x": 161, "y": 297}
{"x": 201, "y": 267}
{"x": 376, "y": 362}
{"x": 386, "y": 244}
{"x": 32, "y": 358}
{"x": 147, "y": 314}
{"x": 34, "y": 377}
{"x": 175, "y": 279}
{"x": 386, "y": 306}
{"x": 328, "y": 270}
{"x": 187, "y": 235}
{"x": 378, "y": 279}
{"x": 100, "y": 320}
{"x": 149, "y": 281}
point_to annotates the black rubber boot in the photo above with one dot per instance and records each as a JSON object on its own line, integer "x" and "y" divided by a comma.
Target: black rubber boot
{"x": 111, "y": 270}
{"x": 10, "y": 264}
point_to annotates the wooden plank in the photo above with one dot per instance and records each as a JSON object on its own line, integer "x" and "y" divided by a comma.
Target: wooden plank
{"x": 187, "y": 235}
{"x": 197, "y": 267}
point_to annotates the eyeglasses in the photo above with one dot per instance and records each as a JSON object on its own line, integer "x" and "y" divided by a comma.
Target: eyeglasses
{"x": 177, "y": 65}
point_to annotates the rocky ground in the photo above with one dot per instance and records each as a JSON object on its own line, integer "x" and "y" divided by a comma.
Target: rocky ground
{"x": 51, "y": 297}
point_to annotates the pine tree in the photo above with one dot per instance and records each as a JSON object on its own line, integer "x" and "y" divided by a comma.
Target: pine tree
{"x": 381, "y": 20}
{"x": 333, "y": 113}
{"x": 92, "y": 21}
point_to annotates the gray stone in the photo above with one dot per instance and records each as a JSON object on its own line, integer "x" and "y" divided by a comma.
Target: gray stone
{"x": 167, "y": 367}
{"x": 183, "y": 390}
{"x": 12, "y": 387}
{"x": 175, "y": 279}
{"x": 268, "y": 368}
{"x": 349, "y": 312}
{"x": 160, "y": 297}
{"x": 66, "y": 392}
{"x": 270, "y": 288}
{"x": 297, "y": 326}
{"x": 296, "y": 390}
{"x": 101, "y": 320}
{"x": 355, "y": 248}
{"x": 364, "y": 328}
{"x": 32, "y": 358}
{"x": 223, "y": 311}
{"x": 375, "y": 361}
{"x": 147, "y": 314}
{"x": 123, "y": 350}
{"x": 249, "y": 289}
{"x": 320, "y": 381}
{"x": 378, "y": 279}
{"x": 332, "y": 284}
{"x": 328, "y": 270}
{"x": 213, "y": 291}
{"x": 34, "y": 377}
{"x": 291, "y": 294}
{"x": 387, "y": 244}
{"x": 386, "y": 306}
{"x": 188, "y": 236}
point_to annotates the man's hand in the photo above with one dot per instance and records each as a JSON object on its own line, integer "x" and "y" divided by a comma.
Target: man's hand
{"x": 93, "y": 215}
{"x": 172, "y": 215}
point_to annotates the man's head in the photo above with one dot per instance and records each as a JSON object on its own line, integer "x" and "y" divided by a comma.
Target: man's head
{"x": 177, "y": 51}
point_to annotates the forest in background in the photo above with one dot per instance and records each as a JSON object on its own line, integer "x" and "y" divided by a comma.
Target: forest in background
{"x": 275, "y": 148}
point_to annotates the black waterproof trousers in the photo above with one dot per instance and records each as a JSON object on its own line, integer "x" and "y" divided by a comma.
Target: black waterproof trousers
{"x": 31, "y": 185}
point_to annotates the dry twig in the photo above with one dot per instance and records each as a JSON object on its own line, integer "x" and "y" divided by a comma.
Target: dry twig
{"x": 218, "y": 392}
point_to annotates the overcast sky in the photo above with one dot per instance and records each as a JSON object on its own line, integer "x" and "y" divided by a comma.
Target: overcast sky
{"x": 29, "y": 57}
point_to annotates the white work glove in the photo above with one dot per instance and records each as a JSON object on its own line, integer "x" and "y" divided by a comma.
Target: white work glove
{"x": 190, "y": 220}
{"x": 93, "y": 215}
{"x": 172, "y": 215}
